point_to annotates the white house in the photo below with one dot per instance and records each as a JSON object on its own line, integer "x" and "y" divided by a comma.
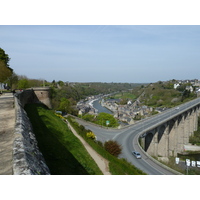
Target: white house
{"x": 190, "y": 88}
{"x": 176, "y": 85}
{"x": 129, "y": 102}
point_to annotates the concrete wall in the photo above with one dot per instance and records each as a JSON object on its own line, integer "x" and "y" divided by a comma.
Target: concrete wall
{"x": 27, "y": 159}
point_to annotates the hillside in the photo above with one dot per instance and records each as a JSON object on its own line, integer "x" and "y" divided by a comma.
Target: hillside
{"x": 74, "y": 92}
{"x": 163, "y": 94}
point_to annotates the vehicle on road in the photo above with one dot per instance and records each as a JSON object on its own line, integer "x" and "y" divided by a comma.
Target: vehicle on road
{"x": 136, "y": 154}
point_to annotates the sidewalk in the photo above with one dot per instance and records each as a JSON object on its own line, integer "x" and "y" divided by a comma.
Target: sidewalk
{"x": 101, "y": 162}
{"x": 7, "y": 123}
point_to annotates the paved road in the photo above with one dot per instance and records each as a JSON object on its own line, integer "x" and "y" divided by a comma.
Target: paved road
{"x": 128, "y": 137}
{"x": 7, "y": 123}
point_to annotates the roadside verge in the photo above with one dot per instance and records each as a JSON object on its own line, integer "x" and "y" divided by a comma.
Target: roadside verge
{"x": 100, "y": 161}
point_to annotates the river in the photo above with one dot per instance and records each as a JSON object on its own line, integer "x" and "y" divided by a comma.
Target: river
{"x": 100, "y": 108}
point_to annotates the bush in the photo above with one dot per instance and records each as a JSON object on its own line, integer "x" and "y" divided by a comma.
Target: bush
{"x": 91, "y": 135}
{"x": 88, "y": 117}
{"x": 113, "y": 147}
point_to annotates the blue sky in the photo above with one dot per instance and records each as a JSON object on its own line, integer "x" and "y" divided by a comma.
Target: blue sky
{"x": 103, "y": 53}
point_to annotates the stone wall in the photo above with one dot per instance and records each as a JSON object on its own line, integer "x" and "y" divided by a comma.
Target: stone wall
{"x": 27, "y": 159}
{"x": 42, "y": 95}
{"x": 27, "y": 96}
{"x": 35, "y": 95}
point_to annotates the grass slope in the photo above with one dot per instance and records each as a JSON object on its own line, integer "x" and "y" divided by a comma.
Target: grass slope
{"x": 116, "y": 166}
{"x": 63, "y": 152}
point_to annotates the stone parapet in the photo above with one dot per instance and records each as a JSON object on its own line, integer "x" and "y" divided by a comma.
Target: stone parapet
{"x": 27, "y": 159}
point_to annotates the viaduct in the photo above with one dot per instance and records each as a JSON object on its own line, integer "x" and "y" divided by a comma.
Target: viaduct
{"x": 168, "y": 134}
{"x": 161, "y": 136}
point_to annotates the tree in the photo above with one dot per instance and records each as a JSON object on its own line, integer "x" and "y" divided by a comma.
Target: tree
{"x": 88, "y": 117}
{"x": 5, "y": 70}
{"x": 13, "y": 80}
{"x": 4, "y": 57}
{"x": 23, "y": 84}
{"x": 102, "y": 118}
{"x": 65, "y": 105}
{"x": 113, "y": 147}
{"x": 186, "y": 94}
{"x": 53, "y": 83}
{"x": 61, "y": 83}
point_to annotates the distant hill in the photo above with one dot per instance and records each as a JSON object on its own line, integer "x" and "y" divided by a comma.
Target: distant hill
{"x": 163, "y": 94}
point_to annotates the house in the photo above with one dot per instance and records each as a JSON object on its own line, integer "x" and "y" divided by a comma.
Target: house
{"x": 129, "y": 102}
{"x": 176, "y": 85}
{"x": 129, "y": 120}
{"x": 189, "y": 88}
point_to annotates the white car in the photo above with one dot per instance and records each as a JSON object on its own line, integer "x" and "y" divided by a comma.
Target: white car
{"x": 136, "y": 154}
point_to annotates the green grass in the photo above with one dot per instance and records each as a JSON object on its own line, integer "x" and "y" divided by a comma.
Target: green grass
{"x": 63, "y": 152}
{"x": 116, "y": 166}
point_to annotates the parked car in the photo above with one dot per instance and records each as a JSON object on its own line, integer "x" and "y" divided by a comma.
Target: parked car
{"x": 136, "y": 154}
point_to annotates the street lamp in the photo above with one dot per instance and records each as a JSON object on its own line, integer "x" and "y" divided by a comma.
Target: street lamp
{"x": 187, "y": 165}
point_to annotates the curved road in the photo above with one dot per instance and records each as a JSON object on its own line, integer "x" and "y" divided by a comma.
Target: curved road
{"x": 128, "y": 137}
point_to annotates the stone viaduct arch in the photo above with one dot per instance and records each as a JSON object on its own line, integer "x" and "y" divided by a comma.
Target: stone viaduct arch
{"x": 168, "y": 139}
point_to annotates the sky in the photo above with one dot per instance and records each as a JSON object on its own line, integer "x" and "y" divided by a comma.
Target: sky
{"x": 103, "y": 53}
{"x": 102, "y": 50}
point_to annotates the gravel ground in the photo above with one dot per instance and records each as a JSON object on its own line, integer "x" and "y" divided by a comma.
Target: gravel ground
{"x": 7, "y": 123}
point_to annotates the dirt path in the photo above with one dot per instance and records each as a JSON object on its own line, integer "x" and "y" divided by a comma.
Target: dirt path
{"x": 101, "y": 162}
{"x": 7, "y": 123}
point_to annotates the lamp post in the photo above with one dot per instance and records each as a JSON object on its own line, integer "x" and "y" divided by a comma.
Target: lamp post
{"x": 187, "y": 165}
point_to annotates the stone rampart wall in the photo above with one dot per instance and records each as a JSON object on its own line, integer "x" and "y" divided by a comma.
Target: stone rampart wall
{"x": 27, "y": 96}
{"x": 27, "y": 159}
{"x": 42, "y": 95}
